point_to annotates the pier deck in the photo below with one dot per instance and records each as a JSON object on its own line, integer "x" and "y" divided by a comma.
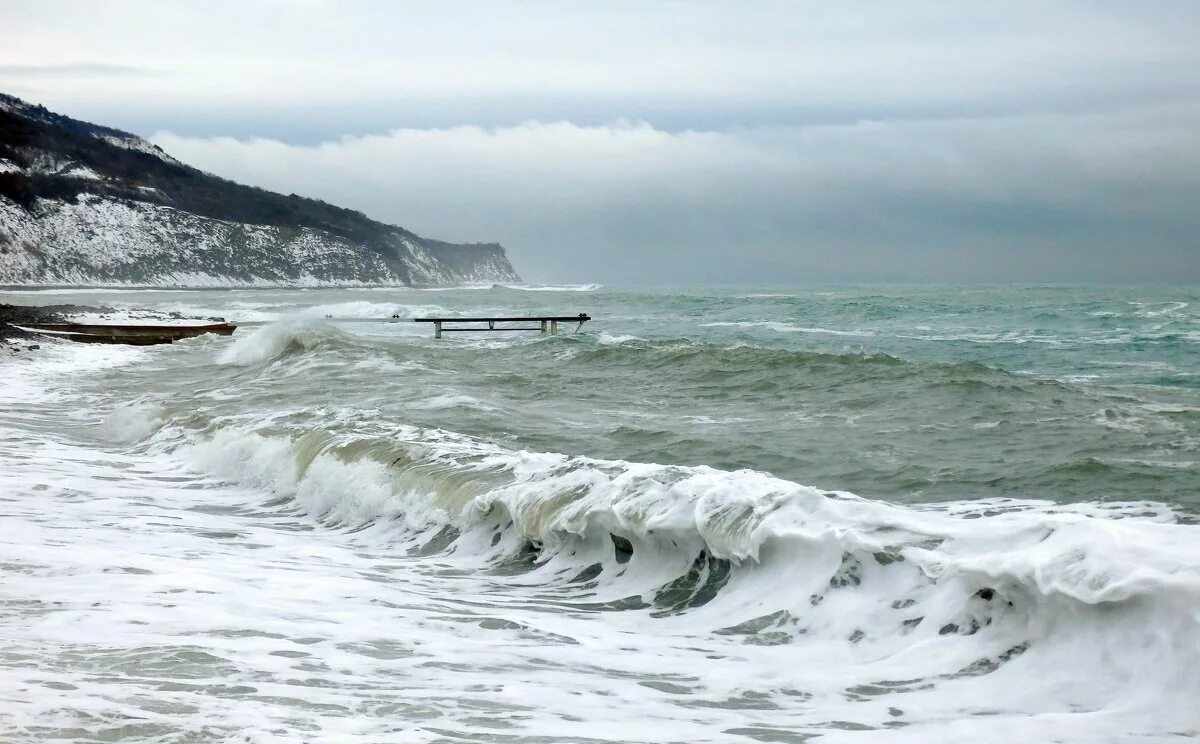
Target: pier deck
{"x": 546, "y": 324}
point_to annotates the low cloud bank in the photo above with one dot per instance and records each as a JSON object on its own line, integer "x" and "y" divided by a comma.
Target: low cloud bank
{"x": 1095, "y": 197}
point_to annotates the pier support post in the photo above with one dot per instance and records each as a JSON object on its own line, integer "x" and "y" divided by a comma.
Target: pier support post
{"x": 554, "y": 328}
{"x": 437, "y": 329}
{"x": 543, "y": 328}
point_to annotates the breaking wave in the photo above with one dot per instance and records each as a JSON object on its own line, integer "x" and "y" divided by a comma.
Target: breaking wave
{"x": 957, "y": 591}
{"x": 276, "y": 340}
{"x": 315, "y": 447}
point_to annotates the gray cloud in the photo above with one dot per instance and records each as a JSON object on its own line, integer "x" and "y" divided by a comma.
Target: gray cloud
{"x": 436, "y": 63}
{"x": 1033, "y": 198}
{"x": 81, "y": 70}
{"x": 773, "y": 140}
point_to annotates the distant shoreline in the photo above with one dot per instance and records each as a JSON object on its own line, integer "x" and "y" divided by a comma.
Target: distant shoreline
{"x": 170, "y": 288}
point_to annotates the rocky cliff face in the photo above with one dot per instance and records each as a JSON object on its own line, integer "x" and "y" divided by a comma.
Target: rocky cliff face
{"x": 82, "y": 204}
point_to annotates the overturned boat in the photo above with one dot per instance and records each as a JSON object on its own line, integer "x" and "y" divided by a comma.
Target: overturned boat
{"x": 137, "y": 335}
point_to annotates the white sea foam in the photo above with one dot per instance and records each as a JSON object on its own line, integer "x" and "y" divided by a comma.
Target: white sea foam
{"x": 132, "y": 422}
{"x": 373, "y": 310}
{"x": 781, "y": 327}
{"x": 974, "y": 597}
{"x": 270, "y": 341}
{"x": 554, "y": 288}
{"x": 710, "y": 420}
{"x": 615, "y": 339}
{"x": 452, "y": 400}
{"x": 1158, "y": 310}
{"x": 290, "y": 569}
{"x": 453, "y": 288}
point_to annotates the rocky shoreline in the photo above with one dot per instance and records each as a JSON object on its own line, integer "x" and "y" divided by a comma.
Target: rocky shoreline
{"x": 13, "y": 338}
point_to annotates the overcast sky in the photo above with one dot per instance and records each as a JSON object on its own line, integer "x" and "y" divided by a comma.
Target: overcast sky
{"x": 677, "y": 141}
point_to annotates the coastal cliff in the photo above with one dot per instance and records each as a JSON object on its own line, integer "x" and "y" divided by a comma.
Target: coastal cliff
{"x": 82, "y": 204}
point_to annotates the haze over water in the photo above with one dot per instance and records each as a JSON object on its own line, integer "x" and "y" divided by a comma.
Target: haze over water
{"x": 741, "y": 514}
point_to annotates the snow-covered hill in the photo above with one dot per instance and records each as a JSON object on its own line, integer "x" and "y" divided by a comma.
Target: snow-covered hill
{"x": 82, "y": 204}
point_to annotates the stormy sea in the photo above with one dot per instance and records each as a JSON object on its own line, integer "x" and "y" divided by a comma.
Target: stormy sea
{"x": 748, "y": 514}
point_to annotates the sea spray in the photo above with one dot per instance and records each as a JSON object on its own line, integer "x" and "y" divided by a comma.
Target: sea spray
{"x": 276, "y": 339}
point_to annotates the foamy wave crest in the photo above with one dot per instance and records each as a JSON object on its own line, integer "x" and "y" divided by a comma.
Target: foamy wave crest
{"x": 615, "y": 339}
{"x": 452, "y": 400}
{"x": 553, "y": 288}
{"x": 347, "y": 492}
{"x": 373, "y": 310}
{"x": 1087, "y": 554}
{"x": 784, "y": 327}
{"x": 978, "y": 594}
{"x": 133, "y": 422}
{"x": 274, "y": 340}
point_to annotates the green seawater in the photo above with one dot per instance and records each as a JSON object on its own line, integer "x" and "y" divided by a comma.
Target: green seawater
{"x": 905, "y": 394}
{"x": 738, "y": 514}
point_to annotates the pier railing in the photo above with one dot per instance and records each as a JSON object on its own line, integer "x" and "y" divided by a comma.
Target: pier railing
{"x": 546, "y": 324}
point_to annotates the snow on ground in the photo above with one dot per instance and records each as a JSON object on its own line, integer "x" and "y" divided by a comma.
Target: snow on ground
{"x": 106, "y": 242}
{"x": 140, "y": 145}
{"x": 81, "y": 171}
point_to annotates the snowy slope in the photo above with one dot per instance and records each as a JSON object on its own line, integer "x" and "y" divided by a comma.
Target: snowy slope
{"x": 82, "y": 204}
{"x": 106, "y": 242}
